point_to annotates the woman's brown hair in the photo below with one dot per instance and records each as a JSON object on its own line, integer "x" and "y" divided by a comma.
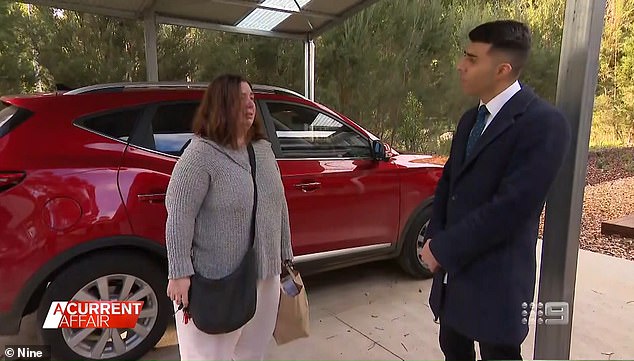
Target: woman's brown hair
{"x": 217, "y": 116}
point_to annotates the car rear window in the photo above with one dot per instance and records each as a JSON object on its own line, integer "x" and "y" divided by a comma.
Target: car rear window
{"x": 117, "y": 124}
{"x": 11, "y": 117}
{"x": 172, "y": 127}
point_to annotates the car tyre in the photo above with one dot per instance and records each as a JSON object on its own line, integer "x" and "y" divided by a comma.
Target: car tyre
{"x": 414, "y": 241}
{"x": 114, "y": 273}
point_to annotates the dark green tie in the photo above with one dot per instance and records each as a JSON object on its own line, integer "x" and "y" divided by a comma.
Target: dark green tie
{"x": 477, "y": 129}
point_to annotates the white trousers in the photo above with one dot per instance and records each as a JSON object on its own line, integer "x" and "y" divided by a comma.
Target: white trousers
{"x": 250, "y": 342}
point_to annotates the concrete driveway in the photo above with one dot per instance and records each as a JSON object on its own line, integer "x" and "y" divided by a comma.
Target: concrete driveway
{"x": 376, "y": 312}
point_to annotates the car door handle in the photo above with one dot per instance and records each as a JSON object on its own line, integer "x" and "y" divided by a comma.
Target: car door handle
{"x": 152, "y": 197}
{"x": 308, "y": 186}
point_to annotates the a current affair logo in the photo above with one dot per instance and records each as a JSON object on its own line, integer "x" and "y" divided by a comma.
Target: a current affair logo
{"x": 93, "y": 314}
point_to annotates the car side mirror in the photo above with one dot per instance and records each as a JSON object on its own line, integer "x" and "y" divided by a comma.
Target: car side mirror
{"x": 378, "y": 151}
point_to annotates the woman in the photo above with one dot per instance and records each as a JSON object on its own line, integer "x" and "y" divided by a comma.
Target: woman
{"x": 209, "y": 206}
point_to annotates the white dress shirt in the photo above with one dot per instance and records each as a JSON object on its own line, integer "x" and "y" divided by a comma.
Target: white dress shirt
{"x": 494, "y": 106}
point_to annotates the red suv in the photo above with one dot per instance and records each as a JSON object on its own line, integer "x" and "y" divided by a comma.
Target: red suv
{"x": 83, "y": 176}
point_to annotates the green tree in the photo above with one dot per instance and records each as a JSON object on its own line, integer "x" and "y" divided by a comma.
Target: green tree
{"x": 614, "y": 111}
{"x": 392, "y": 67}
{"x": 78, "y": 49}
{"x": 175, "y": 47}
{"x": 18, "y": 70}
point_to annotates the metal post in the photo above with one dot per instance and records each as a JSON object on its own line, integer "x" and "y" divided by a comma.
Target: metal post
{"x": 151, "y": 53}
{"x": 578, "y": 70}
{"x": 309, "y": 69}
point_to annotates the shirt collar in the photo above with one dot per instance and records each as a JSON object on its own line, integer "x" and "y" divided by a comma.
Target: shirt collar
{"x": 495, "y": 105}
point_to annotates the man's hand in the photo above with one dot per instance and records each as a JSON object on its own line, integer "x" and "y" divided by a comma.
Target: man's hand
{"x": 429, "y": 258}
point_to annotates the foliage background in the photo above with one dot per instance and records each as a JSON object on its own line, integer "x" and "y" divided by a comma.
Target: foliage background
{"x": 391, "y": 68}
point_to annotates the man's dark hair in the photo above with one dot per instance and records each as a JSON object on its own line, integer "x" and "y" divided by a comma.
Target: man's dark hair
{"x": 513, "y": 38}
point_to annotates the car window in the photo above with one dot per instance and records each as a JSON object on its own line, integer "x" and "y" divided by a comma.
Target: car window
{"x": 118, "y": 124}
{"x": 11, "y": 117}
{"x": 172, "y": 127}
{"x": 6, "y": 114}
{"x": 307, "y": 133}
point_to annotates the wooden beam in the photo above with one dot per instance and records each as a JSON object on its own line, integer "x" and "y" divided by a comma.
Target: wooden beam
{"x": 623, "y": 226}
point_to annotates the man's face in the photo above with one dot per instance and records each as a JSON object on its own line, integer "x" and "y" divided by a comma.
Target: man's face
{"x": 479, "y": 70}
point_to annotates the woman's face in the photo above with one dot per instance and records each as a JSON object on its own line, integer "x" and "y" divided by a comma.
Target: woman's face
{"x": 247, "y": 105}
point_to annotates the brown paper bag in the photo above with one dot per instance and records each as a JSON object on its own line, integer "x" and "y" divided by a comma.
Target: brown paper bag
{"x": 293, "y": 320}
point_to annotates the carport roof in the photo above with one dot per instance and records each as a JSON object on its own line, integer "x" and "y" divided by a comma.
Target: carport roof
{"x": 277, "y": 18}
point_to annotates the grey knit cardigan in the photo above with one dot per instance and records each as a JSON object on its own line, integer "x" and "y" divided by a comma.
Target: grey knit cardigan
{"x": 209, "y": 204}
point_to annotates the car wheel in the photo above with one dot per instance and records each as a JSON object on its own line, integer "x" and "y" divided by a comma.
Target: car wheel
{"x": 409, "y": 258}
{"x": 114, "y": 276}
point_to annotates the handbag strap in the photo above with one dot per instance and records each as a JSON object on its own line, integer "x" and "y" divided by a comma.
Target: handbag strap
{"x": 255, "y": 191}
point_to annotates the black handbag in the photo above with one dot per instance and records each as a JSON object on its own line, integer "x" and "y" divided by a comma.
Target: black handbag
{"x": 224, "y": 305}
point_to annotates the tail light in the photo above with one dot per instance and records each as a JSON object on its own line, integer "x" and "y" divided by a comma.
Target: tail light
{"x": 10, "y": 179}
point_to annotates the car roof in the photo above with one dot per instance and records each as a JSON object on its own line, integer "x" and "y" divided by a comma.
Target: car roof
{"x": 112, "y": 87}
{"x": 153, "y": 88}
{"x": 136, "y": 87}
{"x": 268, "y": 91}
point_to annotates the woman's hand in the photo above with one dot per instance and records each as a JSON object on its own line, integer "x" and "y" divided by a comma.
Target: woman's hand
{"x": 287, "y": 263}
{"x": 178, "y": 290}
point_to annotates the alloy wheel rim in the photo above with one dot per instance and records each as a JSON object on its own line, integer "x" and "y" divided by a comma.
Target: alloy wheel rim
{"x": 420, "y": 243}
{"x": 101, "y": 343}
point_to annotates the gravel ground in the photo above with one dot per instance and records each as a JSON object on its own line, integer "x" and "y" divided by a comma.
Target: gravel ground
{"x": 610, "y": 164}
{"x": 603, "y": 202}
{"x": 609, "y": 195}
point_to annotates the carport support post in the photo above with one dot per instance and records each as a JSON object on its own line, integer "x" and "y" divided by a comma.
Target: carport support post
{"x": 309, "y": 68}
{"x": 576, "y": 86}
{"x": 151, "y": 53}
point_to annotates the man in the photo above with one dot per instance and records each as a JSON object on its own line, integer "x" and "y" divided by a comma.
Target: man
{"x": 482, "y": 237}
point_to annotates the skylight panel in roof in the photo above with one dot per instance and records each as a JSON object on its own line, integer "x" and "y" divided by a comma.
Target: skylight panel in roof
{"x": 285, "y": 4}
{"x": 266, "y": 19}
{"x": 262, "y": 19}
